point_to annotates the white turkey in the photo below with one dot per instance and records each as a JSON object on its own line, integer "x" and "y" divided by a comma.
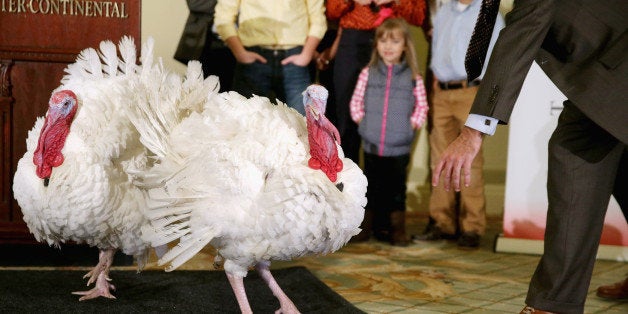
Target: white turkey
{"x": 72, "y": 182}
{"x": 239, "y": 174}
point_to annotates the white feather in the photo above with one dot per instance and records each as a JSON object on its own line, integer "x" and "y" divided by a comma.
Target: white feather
{"x": 128, "y": 55}
{"x": 109, "y": 55}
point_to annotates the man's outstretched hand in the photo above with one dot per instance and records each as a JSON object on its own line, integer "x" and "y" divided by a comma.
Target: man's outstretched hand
{"x": 457, "y": 157}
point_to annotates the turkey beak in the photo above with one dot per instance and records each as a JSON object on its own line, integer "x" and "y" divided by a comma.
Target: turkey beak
{"x": 313, "y": 111}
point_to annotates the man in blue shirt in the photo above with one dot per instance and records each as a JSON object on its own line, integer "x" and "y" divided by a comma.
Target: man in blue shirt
{"x": 451, "y": 101}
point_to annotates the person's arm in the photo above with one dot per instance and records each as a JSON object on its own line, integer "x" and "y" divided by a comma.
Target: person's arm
{"x": 316, "y": 31}
{"x": 457, "y": 158}
{"x": 240, "y": 52}
{"x": 463, "y": 150}
{"x": 304, "y": 58}
{"x": 356, "y": 106}
{"x": 419, "y": 114}
{"x": 484, "y": 124}
{"x": 225, "y": 16}
{"x": 512, "y": 56}
{"x": 322, "y": 62}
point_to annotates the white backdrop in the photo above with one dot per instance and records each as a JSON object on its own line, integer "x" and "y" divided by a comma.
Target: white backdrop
{"x": 531, "y": 125}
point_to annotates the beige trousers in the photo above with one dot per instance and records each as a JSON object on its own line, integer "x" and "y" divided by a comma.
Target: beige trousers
{"x": 450, "y": 109}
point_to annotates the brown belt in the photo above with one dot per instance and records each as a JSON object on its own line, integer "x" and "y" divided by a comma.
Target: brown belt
{"x": 458, "y": 84}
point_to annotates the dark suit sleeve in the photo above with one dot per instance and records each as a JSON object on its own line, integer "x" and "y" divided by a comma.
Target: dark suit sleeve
{"x": 518, "y": 43}
{"x": 195, "y": 33}
{"x": 202, "y": 6}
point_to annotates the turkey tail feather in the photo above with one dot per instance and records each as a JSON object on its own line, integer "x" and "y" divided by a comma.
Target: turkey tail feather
{"x": 156, "y": 114}
{"x": 163, "y": 235}
{"x": 185, "y": 250}
{"x": 92, "y": 62}
{"x": 86, "y": 67}
{"x": 152, "y": 122}
{"x": 128, "y": 54}
{"x": 147, "y": 54}
{"x": 109, "y": 55}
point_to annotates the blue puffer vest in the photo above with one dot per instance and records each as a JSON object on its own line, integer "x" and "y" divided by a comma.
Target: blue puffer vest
{"x": 388, "y": 104}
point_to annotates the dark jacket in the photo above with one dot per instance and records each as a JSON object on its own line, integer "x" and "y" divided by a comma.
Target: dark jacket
{"x": 197, "y": 31}
{"x": 580, "y": 44}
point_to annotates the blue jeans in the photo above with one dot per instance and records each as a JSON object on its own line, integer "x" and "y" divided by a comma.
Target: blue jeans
{"x": 285, "y": 83}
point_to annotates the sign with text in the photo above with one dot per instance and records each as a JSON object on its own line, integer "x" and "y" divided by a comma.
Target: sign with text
{"x": 32, "y": 27}
{"x": 38, "y": 38}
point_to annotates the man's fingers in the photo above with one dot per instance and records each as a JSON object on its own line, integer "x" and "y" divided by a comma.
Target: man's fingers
{"x": 259, "y": 58}
{"x": 455, "y": 163}
{"x": 456, "y": 175}
{"x": 436, "y": 173}
{"x": 467, "y": 172}
{"x": 287, "y": 60}
{"x": 447, "y": 175}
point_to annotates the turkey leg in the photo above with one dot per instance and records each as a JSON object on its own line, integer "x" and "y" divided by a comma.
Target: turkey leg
{"x": 237, "y": 284}
{"x": 287, "y": 307}
{"x": 99, "y": 274}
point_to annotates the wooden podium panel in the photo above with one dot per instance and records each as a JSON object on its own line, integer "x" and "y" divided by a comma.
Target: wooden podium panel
{"x": 38, "y": 38}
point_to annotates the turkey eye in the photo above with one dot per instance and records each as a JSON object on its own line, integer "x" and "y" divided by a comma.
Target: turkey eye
{"x": 66, "y": 106}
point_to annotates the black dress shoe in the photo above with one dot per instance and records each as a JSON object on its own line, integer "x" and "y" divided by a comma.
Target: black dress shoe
{"x": 470, "y": 240}
{"x": 433, "y": 234}
{"x": 382, "y": 235}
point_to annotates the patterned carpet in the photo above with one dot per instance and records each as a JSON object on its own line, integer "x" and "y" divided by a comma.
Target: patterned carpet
{"x": 435, "y": 277}
{"x": 425, "y": 277}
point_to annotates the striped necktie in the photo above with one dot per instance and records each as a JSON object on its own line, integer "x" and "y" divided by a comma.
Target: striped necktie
{"x": 482, "y": 32}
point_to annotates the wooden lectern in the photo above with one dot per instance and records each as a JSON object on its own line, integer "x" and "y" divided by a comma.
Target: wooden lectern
{"x": 37, "y": 40}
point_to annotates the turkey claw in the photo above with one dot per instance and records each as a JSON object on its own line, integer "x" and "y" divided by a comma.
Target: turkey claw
{"x": 102, "y": 288}
{"x": 95, "y": 293}
{"x": 93, "y": 275}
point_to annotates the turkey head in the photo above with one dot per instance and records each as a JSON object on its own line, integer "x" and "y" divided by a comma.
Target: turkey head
{"x": 322, "y": 134}
{"x": 61, "y": 111}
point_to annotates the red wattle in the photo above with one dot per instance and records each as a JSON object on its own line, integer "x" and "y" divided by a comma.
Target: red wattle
{"x": 323, "y": 146}
{"x": 314, "y": 163}
{"x": 48, "y": 152}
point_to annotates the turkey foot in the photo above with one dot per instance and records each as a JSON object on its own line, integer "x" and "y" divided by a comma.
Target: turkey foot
{"x": 100, "y": 275}
{"x": 102, "y": 289}
{"x": 287, "y": 307}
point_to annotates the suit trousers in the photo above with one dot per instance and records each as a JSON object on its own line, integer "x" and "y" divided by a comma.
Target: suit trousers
{"x": 449, "y": 111}
{"x": 584, "y": 162}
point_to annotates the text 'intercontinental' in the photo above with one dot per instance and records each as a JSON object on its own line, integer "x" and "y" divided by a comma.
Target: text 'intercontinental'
{"x": 110, "y": 9}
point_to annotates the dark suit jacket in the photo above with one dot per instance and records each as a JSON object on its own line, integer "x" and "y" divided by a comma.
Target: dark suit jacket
{"x": 197, "y": 31}
{"x": 580, "y": 44}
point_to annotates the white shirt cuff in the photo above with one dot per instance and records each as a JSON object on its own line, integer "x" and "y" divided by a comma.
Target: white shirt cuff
{"x": 486, "y": 125}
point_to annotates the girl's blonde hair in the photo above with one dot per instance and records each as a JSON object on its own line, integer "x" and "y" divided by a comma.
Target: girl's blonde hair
{"x": 386, "y": 29}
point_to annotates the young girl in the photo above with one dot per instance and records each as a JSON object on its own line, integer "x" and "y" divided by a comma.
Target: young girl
{"x": 389, "y": 105}
{"x": 357, "y": 19}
